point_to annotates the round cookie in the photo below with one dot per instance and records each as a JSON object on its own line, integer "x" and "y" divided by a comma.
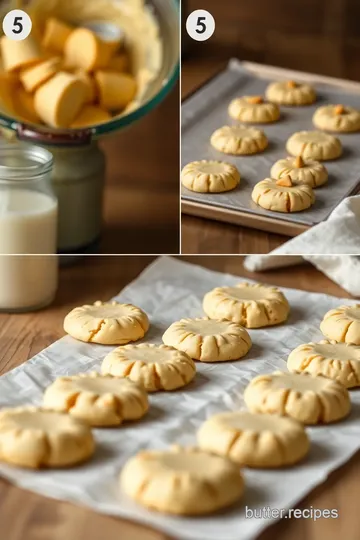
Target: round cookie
{"x": 342, "y": 324}
{"x": 283, "y": 195}
{"x": 250, "y": 305}
{"x": 98, "y": 400}
{"x": 314, "y": 145}
{"x": 35, "y": 438}
{"x": 239, "y": 140}
{"x": 107, "y": 323}
{"x": 311, "y": 173}
{"x": 290, "y": 93}
{"x": 208, "y": 340}
{"x": 253, "y": 109}
{"x": 155, "y": 367}
{"x": 254, "y": 440}
{"x": 306, "y": 398}
{"x": 337, "y": 361}
{"x": 337, "y": 118}
{"x": 210, "y": 176}
{"x": 182, "y": 481}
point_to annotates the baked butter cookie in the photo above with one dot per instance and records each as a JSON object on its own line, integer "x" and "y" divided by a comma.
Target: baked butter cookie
{"x": 314, "y": 145}
{"x": 248, "y": 304}
{"x": 337, "y": 118}
{"x": 208, "y": 340}
{"x": 342, "y": 324}
{"x": 290, "y": 93}
{"x": 107, "y": 323}
{"x": 210, "y": 176}
{"x": 182, "y": 481}
{"x": 253, "y": 109}
{"x": 283, "y": 195}
{"x": 302, "y": 172}
{"x": 239, "y": 140}
{"x": 254, "y": 440}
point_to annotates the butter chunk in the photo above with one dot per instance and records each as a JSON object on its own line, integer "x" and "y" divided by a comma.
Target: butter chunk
{"x": 84, "y": 50}
{"x": 90, "y": 115}
{"x": 37, "y": 75}
{"x": 55, "y": 35}
{"x": 116, "y": 90}
{"x": 19, "y": 54}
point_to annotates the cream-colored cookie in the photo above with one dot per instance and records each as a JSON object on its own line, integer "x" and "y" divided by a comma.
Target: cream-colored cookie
{"x": 182, "y": 481}
{"x": 239, "y": 140}
{"x": 342, "y": 324}
{"x": 98, "y": 400}
{"x": 283, "y": 195}
{"x": 107, "y": 323}
{"x": 155, "y": 367}
{"x": 33, "y": 437}
{"x": 290, "y": 93}
{"x": 252, "y": 305}
{"x": 307, "y": 398}
{"x": 309, "y": 172}
{"x": 338, "y": 361}
{"x": 337, "y": 118}
{"x": 210, "y": 176}
{"x": 314, "y": 145}
{"x": 208, "y": 340}
{"x": 254, "y": 440}
{"x": 254, "y": 109}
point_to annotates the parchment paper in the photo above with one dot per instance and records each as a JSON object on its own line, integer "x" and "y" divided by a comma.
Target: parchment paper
{"x": 168, "y": 290}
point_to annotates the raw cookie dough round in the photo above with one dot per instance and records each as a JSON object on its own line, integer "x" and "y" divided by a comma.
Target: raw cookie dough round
{"x": 210, "y": 176}
{"x": 254, "y": 109}
{"x": 182, "y": 481}
{"x": 239, "y": 140}
{"x": 107, "y": 323}
{"x": 98, "y": 400}
{"x": 309, "y": 172}
{"x": 337, "y": 118}
{"x": 254, "y": 440}
{"x": 283, "y": 195}
{"x": 290, "y": 93}
{"x": 208, "y": 340}
{"x": 251, "y": 305}
{"x": 314, "y": 145}
{"x": 155, "y": 367}
{"x": 338, "y": 361}
{"x": 342, "y": 324}
{"x": 33, "y": 437}
{"x": 307, "y": 398}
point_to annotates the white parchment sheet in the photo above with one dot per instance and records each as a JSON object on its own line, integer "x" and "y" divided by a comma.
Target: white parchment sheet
{"x": 169, "y": 290}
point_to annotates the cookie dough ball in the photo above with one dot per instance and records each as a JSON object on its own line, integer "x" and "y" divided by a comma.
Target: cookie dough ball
{"x": 107, "y": 323}
{"x": 342, "y": 324}
{"x": 98, "y": 400}
{"x": 290, "y": 93}
{"x": 254, "y": 440}
{"x": 155, "y": 367}
{"x": 210, "y": 176}
{"x": 314, "y": 145}
{"x": 239, "y": 140}
{"x": 302, "y": 172}
{"x": 33, "y": 437}
{"x": 250, "y": 305}
{"x": 337, "y": 118}
{"x": 182, "y": 481}
{"x": 254, "y": 109}
{"x": 283, "y": 195}
{"x": 208, "y": 340}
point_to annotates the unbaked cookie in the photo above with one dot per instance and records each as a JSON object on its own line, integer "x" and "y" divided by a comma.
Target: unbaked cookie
{"x": 338, "y": 361}
{"x": 239, "y": 140}
{"x": 208, "y": 340}
{"x": 337, "y": 118}
{"x": 290, "y": 93}
{"x": 252, "y": 305}
{"x": 254, "y": 109}
{"x": 155, "y": 367}
{"x": 307, "y": 398}
{"x": 254, "y": 440}
{"x": 107, "y": 323}
{"x": 210, "y": 176}
{"x": 314, "y": 145}
{"x": 283, "y": 195}
{"x": 182, "y": 481}
{"x": 33, "y": 437}
{"x": 309, "y": 172}
{"x": 342, "y": 324}
{"x": 98, "y": 400}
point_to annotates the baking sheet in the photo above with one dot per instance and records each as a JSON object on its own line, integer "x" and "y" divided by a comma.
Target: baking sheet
{"x": 206, "y": 111}
{"x": 168, "y": 290}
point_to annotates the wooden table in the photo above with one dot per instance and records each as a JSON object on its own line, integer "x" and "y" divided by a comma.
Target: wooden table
{"x": 27, "y": 516}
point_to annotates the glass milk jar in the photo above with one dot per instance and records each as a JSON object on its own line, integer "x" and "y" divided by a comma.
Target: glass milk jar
{"x": 28, "y": 228}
